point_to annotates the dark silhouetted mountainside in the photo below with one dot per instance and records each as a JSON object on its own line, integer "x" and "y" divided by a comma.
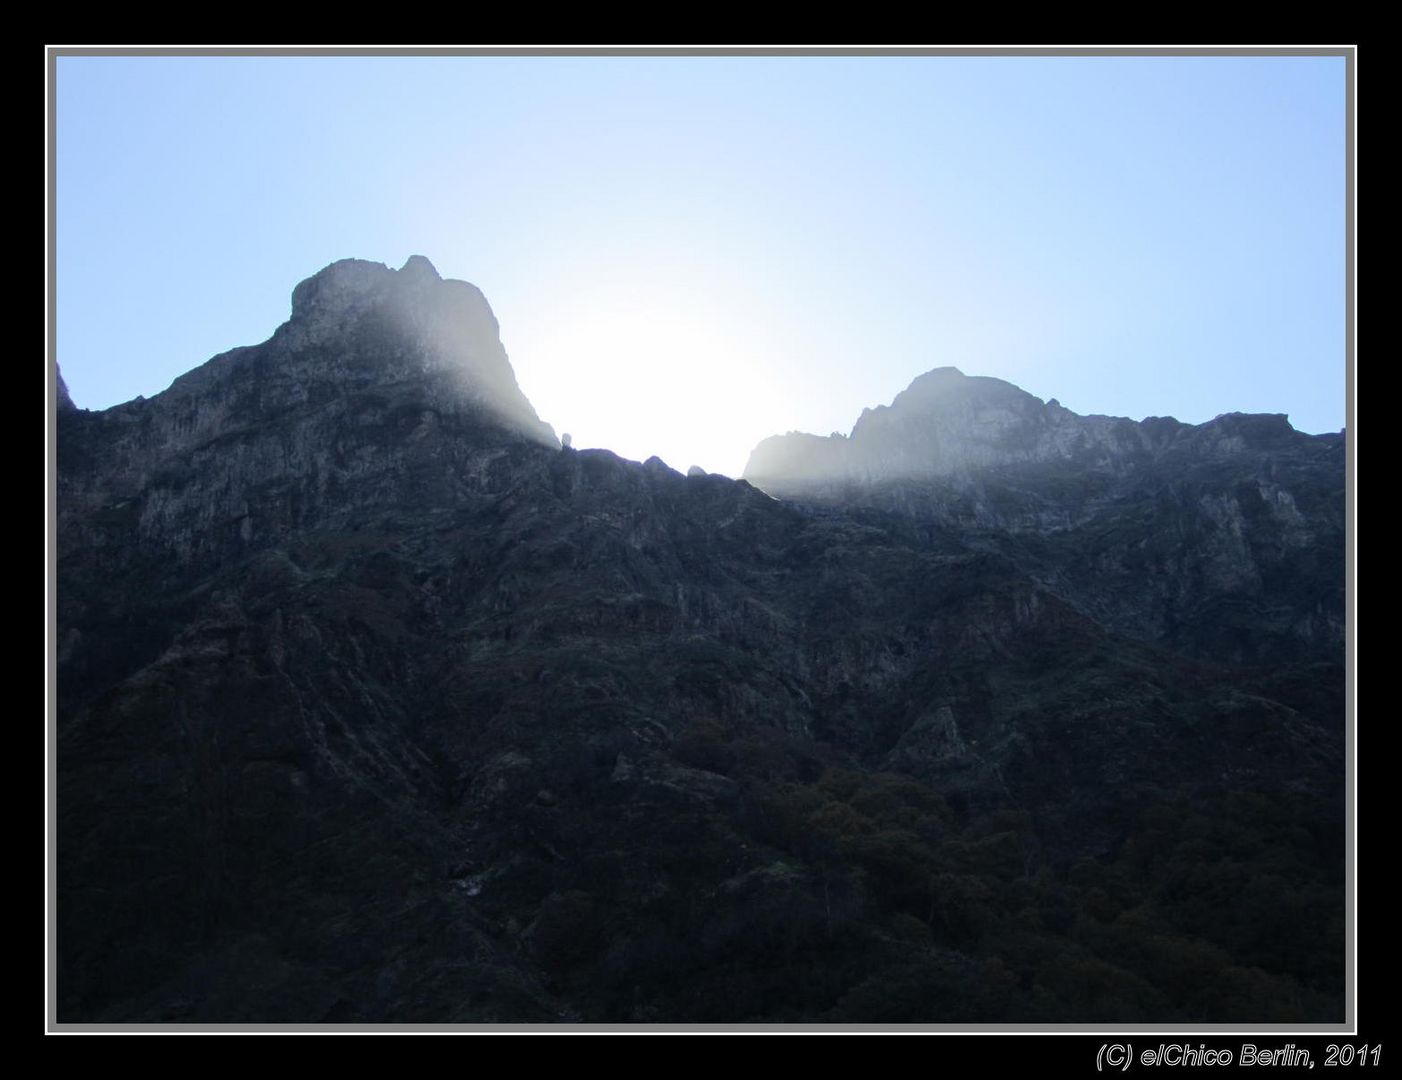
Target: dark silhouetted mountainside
{"x": 377, "y": 704}
{"x": 1223, "y": 540}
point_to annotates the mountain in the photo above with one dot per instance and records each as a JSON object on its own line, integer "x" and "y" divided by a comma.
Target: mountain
{"x": 375, "y": 703}
{"x": 1220, "y": 540}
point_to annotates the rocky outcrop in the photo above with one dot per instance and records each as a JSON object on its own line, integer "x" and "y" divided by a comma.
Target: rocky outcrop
{"x": 947, "y": 424}
{"x": 1222, "y": 539}
{"x": 371, "y": 392}
{"x": 65, "y": 402}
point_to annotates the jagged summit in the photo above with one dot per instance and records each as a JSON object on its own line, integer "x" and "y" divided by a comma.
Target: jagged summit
{"x": 355, "y": 327}
{"x": 379, "y": 380}
{"x": 347, "y": 284}
{"x": 944, "y": 392}
{"x": 1175, "y": 532}
{"x": 949, "y": 378}
{"x": 419, "y": 266}
{"x": 947, "y": 423}
{"x": 947, "y": 383}
{"x": 944, "y": 422}
{"x": 449, "y": 320}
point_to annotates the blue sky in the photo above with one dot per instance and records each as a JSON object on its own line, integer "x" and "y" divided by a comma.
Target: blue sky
{"x": 689, "y": 254}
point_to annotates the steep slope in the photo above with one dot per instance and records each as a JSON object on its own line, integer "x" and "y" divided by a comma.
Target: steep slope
{"x": 1224, "y": 540}
{"x": 375, "y": 704}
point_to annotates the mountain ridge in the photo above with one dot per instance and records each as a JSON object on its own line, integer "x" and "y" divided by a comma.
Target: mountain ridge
{"x": 946, "y": 423}
{"x": 1224, "y": 537}
{"x": 377, "y": 704}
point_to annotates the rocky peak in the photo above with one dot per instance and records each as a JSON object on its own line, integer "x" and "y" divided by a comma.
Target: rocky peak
{"x": 449, "y": 322}
{"x": 951, "y": 405}
{"x": 339, "y": 288}
{"x": 944, "y": 423}
{"x": 1247, "y": 431}
{"x": 379, "y": 380}
{"x": 417, "y": 267}
{"x": 947, "y": 386}
{"x": 948, "y": 424}
{"x": 65, "y": 400}
{"x": 1154, "y": 527}
{"x": 356, "y": 327}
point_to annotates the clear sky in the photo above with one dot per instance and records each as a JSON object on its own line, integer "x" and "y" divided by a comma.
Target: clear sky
{"x": 689, "y": 254}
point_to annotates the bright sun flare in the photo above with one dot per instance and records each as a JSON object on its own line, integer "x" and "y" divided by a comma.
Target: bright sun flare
{"x": 651, "y": 378}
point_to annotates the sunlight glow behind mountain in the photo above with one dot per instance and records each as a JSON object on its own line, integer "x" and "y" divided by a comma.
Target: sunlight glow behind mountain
{"x": 647, "y": 374}
{"x": 687, "y": 254}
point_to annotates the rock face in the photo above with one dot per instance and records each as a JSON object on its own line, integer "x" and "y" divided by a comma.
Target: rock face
{"x": 945, "y": 423}
{"x": 348, "y": 406}
{"x": 377, "y": 704}
{"x": 65, "y": 402}
{"x": 948, "y": 424}
{"x": 1223, "y": 540}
